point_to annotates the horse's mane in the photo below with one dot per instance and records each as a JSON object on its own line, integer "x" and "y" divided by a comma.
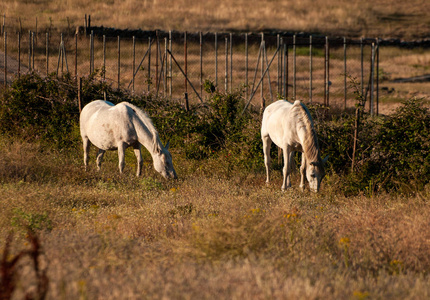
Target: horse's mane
{"x": 304, "y": 120}
{"x": 144, "y": 118}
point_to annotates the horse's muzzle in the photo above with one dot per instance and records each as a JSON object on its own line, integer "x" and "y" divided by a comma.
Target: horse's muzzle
{"x": 171, "y": 175}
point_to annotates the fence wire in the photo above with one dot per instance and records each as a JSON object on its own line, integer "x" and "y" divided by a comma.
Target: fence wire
{"x": 262, "y": 68}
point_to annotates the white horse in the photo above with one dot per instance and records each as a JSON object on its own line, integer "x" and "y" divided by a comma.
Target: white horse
{"x": 291, "y": 128}
{"x": 116, "y": 127}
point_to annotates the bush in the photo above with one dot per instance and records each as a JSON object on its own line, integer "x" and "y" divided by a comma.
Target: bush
{"x": 38, "y": 108}
{"x": 392, "y": 151}
{"x": 399, "y": 152}
{"x": 214, "y": 129}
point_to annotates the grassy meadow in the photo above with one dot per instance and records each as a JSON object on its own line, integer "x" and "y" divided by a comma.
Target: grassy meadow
{"x": 218, "y": 232}
{"x": 210, "y": 234}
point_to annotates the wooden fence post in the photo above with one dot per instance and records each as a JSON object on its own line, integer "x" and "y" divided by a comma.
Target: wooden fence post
{"x": 76, "y": 55}
{"x": 80, "y": 94}
{"x": 285, "y": 71}
{"x": 5, "y": 58}
{"x": 377, "y": 76}
{"x": 185, "y": 62}
{"x": 91, "y": 53}
{"x": 187, "y": 106}
{"x": 201, "y": 63}
{"x": 134, "y": 61}
{"x": 170, "y": 66}
{"x": 149, "y": 63}
{"x": 327, "y": 73}
{"x": 4, "y": 24}
{"x": 36, "y": 31}
{"x": 19, "y": 54}
{"x": 104, "y": 57}
{"x": 47, "y": 53}
{"x": 165, "y": 66}
{"x": 119, "y": 62}
{"x": 263, "y": 46}
{"x": 362, "y": 67}
{"x": 216, "y": 60}
{"x": 29, "y": 50}
{"x": 246, "y": 65}
{"x": 231, "y": 62}
{"x": 294, "y": 67}
{"x": 281, "y": 66}
{"x": 32, "y": 49}
{"x": 344, "y": 71}
{"x": 226, "y": 65}
{"x": 372, "y": 78}
{"x": 310, "y": 68}
{"x": 157, "y": 49}
{"x": 278, "y": 42}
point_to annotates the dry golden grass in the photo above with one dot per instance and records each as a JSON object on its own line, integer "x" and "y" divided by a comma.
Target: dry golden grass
{"x": 381, "y": 18}
{"x": 215, "y": 233}
{"x": 211, "y": 234}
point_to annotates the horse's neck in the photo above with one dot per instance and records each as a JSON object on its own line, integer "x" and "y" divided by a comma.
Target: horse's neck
{"x": 309, "y": 142}
{"x": 149, "y": 139}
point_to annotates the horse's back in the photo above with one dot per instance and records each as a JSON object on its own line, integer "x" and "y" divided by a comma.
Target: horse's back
{"x": 278, "y": 124}
{"x": 106, "y": 124}
{"x": 92, "y": 108}
{"x": 274, "y": 114}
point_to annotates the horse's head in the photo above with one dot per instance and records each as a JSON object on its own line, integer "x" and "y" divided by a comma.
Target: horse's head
{"x": 163, "y": 162}
{"x": 315, "y": 173}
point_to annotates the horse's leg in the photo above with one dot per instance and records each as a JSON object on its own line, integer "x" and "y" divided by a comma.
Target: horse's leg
{"x": 100, "y": 158}
{"x": 287, "y": 169}
{"x": 138, "y": 154}
{"x": 303, "y": 172}
{"x": 86, "y": 143}
{"x": 121, "y": 157}
{"x": 267, "y": 142}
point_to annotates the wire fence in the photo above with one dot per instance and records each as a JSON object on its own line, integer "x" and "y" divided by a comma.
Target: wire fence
{"x": 176, "y": 65}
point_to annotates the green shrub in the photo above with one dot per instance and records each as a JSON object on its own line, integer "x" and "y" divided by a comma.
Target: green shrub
{"x": 399, "y": 152}
{"x": 210, "y": 129}
{"x": 31, "y": 221}
{"x": 38, "y": 108}
{"x": 392, "y": 151}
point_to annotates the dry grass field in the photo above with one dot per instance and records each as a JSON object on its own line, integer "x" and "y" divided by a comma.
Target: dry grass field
{"x": 211, "y": 234}
{"x": 217, "y": 232}
{"x": 380, "y": 18}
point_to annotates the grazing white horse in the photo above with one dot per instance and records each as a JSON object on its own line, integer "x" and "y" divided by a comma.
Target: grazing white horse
{"x": 116, "y": 127}
{"x": 291, "y": 128}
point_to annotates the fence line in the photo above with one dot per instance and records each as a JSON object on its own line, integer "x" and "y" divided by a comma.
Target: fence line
{"x": 237, "y": 66}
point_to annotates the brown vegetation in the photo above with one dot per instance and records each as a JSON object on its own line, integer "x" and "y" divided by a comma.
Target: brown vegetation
{"x": 381, "y": 18}
{"x": 213, "y": 233}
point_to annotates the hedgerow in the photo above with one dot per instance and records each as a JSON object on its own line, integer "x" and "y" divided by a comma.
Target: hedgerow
{"x": 393, "y": 151}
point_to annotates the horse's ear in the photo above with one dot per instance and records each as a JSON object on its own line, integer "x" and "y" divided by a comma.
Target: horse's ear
{"x": 167, "y": 145}
{"x": 325, "y": 160}
{"x": 157, "y": 148}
